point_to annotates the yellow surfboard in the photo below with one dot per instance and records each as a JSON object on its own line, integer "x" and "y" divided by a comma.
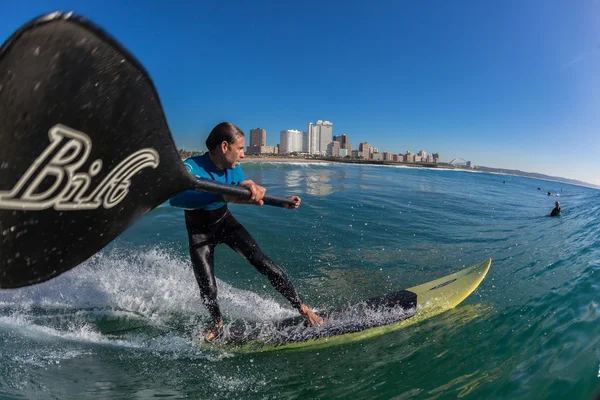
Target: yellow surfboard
{"x": 419, "y": 302}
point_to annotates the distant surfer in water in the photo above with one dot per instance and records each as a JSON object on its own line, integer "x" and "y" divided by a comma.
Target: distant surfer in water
{"x": 555, "y": 210}
{"x": 209, "y": 223}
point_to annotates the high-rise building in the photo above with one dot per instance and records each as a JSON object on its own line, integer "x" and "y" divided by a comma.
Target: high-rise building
{"x": 364, "y": 150}
{"x": 291, "y": 141}
{"x": 306, "y": 142}
{"x": 344, "y": 144}
{"x": 318, "y": 136}
{"x": 258, "y": 137}
{"x": 422, "y": 154}
{"x": 333, "y": 149}
{"x": 258, "y": 142}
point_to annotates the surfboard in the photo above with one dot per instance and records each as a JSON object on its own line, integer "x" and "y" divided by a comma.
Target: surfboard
{"x": 373, "y": 317}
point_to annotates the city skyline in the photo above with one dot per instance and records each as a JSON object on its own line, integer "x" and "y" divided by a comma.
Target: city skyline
{"x": 506, "y": 85}
{"x": 295, "y": 141}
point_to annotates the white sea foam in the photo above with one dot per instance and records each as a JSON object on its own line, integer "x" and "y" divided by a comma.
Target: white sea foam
{"x": 150, "y": 286}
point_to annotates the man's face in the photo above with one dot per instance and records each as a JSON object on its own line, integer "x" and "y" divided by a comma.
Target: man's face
{"x": 234, "y": 152}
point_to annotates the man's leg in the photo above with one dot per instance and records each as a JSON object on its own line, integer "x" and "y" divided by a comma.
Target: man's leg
{"x": 202, "y": 255}
{"x": 240, "y": 240}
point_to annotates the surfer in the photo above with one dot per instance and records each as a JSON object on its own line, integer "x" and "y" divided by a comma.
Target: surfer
{"x": 209, "y": 223}
{"x": 555, "y": 210}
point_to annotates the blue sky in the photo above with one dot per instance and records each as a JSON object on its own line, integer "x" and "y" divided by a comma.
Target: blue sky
{"x": 511, "y": 84}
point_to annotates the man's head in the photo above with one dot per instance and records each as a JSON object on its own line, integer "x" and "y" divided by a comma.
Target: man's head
{"x": 225, "y": 144}
{"x": 557, "y": 204}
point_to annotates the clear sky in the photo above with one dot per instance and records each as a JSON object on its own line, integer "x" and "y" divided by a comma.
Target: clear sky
{"x": 511, "y": 84}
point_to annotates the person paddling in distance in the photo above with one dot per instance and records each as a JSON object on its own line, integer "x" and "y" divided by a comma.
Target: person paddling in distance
{"x": 210, "y": 223}
{"x": 556, "y": 210}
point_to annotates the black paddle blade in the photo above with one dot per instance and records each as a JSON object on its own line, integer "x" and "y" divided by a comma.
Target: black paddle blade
{"x": 85, "y": 149}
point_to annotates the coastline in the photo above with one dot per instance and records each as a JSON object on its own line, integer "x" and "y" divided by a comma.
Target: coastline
{"x": 342, "y": 161}
{"x": 441, "y": 166}
{"x": 284, "y": 159}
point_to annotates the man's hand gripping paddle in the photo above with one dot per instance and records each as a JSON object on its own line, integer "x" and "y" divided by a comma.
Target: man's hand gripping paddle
{"x": 85, "y": 149}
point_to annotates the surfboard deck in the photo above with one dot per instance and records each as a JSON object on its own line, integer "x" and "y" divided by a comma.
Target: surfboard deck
{"x": 348, "y": 324}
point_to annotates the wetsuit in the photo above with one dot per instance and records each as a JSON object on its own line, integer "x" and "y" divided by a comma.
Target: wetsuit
{"x": 209, "y": 223}
{"x": 555, "y": 212}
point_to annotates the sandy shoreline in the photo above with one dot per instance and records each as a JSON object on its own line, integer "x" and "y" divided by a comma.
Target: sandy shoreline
{"x": 283, "y": 159}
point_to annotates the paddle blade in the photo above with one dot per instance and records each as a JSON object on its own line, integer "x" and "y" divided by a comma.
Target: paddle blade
{"x": 85, "y": 149}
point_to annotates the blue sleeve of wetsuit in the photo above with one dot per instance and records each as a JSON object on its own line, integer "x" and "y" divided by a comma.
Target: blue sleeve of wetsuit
{"x": 238, "y": 174}
{"x": 192, "y": 199}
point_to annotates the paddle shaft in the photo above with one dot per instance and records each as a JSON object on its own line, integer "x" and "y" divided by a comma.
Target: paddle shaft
{"x": 206, "y": 185}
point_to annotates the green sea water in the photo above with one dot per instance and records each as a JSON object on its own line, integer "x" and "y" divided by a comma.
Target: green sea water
{"x": 122, "y": 325}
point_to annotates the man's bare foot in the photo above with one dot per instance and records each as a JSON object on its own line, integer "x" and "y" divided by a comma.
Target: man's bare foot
{"x": 312, "y": 318}
{"x": 213, "y": 332}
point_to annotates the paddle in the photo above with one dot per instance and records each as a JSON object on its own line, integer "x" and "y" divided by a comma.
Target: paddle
{"x": 85, "y": 149}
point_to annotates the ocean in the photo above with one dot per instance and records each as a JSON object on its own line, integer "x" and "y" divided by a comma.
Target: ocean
{"x": 121, "y": 325}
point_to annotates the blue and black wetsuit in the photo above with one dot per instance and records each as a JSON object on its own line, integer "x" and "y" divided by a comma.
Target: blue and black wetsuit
{"x": 209, "y": 223}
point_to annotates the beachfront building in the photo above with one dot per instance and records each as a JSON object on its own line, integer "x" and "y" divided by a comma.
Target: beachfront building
{"x": 317, "y": 137}
{"x": 344, "y": 143}
{"x": 252, "y": 150}
{"x": 258, "y": 142}
{"x": 333, "y": 149}
{"x": 364, "y": 151}
{"x": 258, "y": 137}
{"x": 290, "y": 141}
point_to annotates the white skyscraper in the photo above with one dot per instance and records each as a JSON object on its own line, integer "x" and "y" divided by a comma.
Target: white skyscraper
{"x": 318, "y": 136}
{"x": 290, "y": 141}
